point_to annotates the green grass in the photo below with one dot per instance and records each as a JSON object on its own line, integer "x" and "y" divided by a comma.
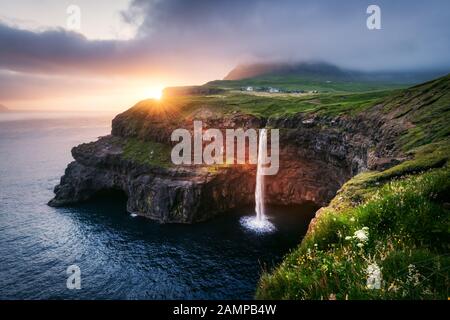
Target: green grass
{"x": 427, "y": 108}
{"x": 276, "y": 106}
{"x": 424, "y": 158}
{"x": 346, "y": 98}
{"x": 147, "y": 152}
{"x": 407, "y": 222}
{"x": 404, "y": 211}
{"x": 305, "y": 84}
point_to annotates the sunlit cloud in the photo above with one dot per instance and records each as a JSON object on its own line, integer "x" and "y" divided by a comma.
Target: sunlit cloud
{"x": 176, "y": 42}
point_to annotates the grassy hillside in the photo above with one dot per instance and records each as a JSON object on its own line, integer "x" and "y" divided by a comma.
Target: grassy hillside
{"x": 320, "y": 76}
{"x": 147, "y": 152}
{"x": 305, "y": 84}
{"x": 392, "y": 227}
{"x": 272, "y": 105}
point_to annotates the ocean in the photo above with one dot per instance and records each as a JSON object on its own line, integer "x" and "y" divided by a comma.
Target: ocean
{"x": 119, "y": 256}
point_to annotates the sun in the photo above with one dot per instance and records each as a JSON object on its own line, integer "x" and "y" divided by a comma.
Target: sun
{"x": 154, "y": 92}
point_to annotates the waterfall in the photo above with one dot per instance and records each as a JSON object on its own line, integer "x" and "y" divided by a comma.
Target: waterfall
{"x": 259, "y": 223}
{"x": 259, "y": 191}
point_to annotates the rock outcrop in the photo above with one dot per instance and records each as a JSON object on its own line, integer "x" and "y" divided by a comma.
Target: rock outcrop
{"x": 317, "y": 155}
{"x": 183, "y": 195}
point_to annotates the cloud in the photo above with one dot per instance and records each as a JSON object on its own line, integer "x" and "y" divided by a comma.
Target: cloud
{"x": 414, "y": 34}
{"x": 205, "y": 38}
{"x": 57, "y": 51}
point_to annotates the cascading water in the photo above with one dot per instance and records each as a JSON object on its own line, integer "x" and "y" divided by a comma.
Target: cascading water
{"x": 259, "y": 223}
{"x": 259, "y": 192}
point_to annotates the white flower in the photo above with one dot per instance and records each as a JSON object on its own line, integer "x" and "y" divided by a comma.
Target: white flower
{"x": 374, "y": 276}
{"x": 362, "y": 235}
{"x": 413, "y": 276}
{"x": 393, "y": 287}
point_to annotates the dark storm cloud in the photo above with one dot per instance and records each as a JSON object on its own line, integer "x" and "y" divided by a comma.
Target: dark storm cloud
{"x": 183, "y": 36}
{"x": 61, "y": 51}
{"x": 414, "y": 33}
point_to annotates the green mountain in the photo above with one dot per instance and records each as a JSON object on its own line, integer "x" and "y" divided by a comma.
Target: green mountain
{"x": 323, "y": 77}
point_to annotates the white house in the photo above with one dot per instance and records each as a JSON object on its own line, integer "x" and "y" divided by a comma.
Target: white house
{"x": 274, "y": 90}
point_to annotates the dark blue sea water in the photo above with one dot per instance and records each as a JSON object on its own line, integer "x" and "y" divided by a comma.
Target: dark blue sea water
{"x": 120, "y": 257}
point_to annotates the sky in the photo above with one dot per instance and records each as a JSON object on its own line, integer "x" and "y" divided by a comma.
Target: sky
{"x": 121, "y": 51}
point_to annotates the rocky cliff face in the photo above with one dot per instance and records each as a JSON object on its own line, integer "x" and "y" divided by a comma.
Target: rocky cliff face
{"x": 183, "y": 195}
{"x": 317, "y": 155}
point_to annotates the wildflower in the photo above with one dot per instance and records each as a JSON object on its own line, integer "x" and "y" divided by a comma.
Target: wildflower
{"x": 427, "y": 292}
{"x": 413, "y": 275}
{"x": 348, "y": 238}
{"x": 362, "y": 235}
{"x": 308, "y": 254}
{"x": 332, "y": 296}
{"x": 352, "y": 219}
{"x": 393, "y": 287}
{"x": 374, "y": 277}
{"x": 360, "y": 245}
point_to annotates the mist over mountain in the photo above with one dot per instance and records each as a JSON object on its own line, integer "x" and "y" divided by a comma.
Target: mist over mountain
{"x": 323, "y": 71}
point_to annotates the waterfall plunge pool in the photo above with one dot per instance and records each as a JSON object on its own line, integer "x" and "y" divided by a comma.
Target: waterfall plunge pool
{"x": 122, "y": 257}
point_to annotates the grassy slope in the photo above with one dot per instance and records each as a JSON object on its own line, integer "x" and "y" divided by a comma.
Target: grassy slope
{"x": 304, "y": 83}
{"x": 276, "y": 105}
{"x": 147, "y": 152}
{"x": 395, "y": 221}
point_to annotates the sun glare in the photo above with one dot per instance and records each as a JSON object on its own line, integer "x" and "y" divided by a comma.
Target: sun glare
{"x": 154, "y": 93}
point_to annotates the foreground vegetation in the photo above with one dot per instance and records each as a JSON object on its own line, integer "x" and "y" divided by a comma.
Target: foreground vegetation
{"x": 386, "y": 234}
{"x": 387, "y": 229}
